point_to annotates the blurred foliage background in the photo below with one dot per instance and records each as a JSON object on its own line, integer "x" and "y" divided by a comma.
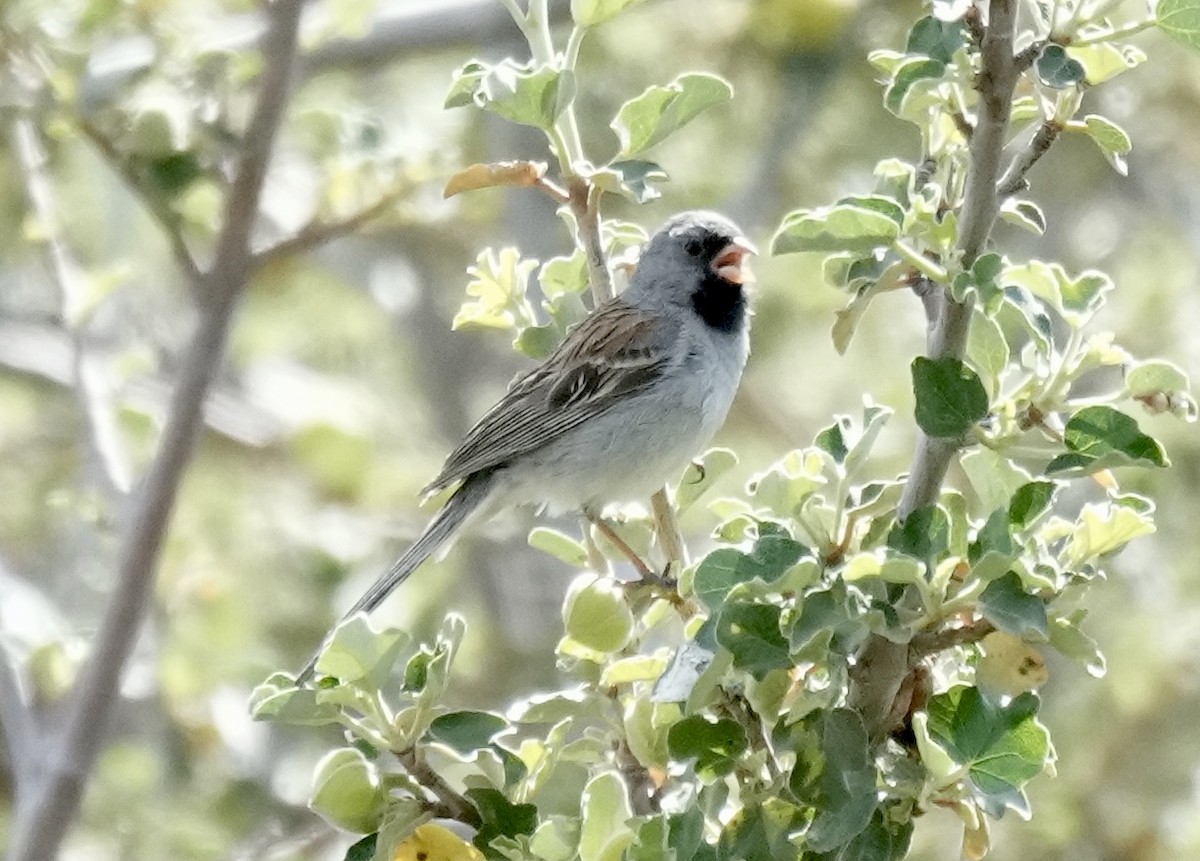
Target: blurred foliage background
{"x": 345, "y": 387}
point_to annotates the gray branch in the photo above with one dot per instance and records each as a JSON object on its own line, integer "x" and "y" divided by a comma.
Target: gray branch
{"x": 883, "y": 665}
{"x": 44, "y": 818}
{"x": 111, "y": 466}
{"x": 16, "y": 724}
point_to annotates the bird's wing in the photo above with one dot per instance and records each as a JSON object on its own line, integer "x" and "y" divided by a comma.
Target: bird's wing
{"x": 615, "y": 351}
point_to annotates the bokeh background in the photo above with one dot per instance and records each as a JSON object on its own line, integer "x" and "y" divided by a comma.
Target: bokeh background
{"x": 344, "y": 387}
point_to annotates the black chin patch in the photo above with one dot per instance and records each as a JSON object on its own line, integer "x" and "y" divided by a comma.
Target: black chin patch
{"x": 720, "y": 303}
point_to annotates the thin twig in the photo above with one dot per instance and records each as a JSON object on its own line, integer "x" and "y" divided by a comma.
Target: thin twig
{"x": 318, "y": 233}
{"x": 42, "y": 823}
{"x": 1014, "y": 178}
{"x": 448, "y": 803}
{"x": 112, "y": 470}
{"x": 585, "y": 207}
{"x": 932, "y": 642}
{"x": 168, "y": 220}
{"x": 17, "y": 725}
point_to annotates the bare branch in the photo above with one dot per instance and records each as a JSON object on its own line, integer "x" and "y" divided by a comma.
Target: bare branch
{"x": 43, "y": 821}
{"x": 168, "y": 220}
{"x": 585, "y": 205}
{"x": 882, "y": 665}
{"x": 448, "y": 803}
{"x": 947, "y": 335}
{"x": 1014, "y": 178}
{"x": 932, "y": 642}
{"x": 16, "y": 725}
{"x": 318, "y": 233}
{"x": 111, "y": 466}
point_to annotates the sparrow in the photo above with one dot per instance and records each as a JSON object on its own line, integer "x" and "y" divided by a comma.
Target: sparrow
{"x": 632, "y": 393}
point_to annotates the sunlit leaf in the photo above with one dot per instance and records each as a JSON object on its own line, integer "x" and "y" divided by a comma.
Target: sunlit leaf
{"x": 649, "y": 118}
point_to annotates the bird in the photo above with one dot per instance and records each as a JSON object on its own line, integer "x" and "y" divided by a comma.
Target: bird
{"x": 630, "y": 395}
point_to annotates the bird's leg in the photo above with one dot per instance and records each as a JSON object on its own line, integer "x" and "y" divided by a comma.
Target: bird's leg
{"x": 644, "y": 570}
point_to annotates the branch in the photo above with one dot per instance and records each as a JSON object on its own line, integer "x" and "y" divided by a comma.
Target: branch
{"x": 948, "y": 325}
{"x": 1014, "y": 178}
{"x": 43, "y": 822}
{"x": 932, "y": 642}
{"x": 318, "y": 233}
{"x": 878, "y": 674}
{"x": 168, "y": 220}
{"x": 103, "y": 435}
{"x": 449, "y": 804}
{"x": 16, "y": 725}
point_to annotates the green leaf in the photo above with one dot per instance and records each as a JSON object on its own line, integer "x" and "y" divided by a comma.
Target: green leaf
{"x": 525, "y": 93}
{"x": 987, "y": 349}
{"x": 935, "y": 38}
{"x": 1030, "y": 503}
{"x": 1103, "y": 529}
{"x": 751, "y": 634}
{"x": 1056, "y": 69}
{"x": 589, "y": 13}
{"x": 278, "y": 700}
{"x": 950, "y": 397}
{"x": 924, "y": 535}
{"x": 1024, "y": 214}
{"x": 1003, "y": 747}
{"x": 715, "y": 745}
{"x": 363, "y": 850}
{"x": 559, "y": 545}
{"x": 828, "y": 620}
{"x": 1099, "y": 437}
{"x": 467, "y": 731}
{"x": 842, "y": 227}
{"x": 1009, "y": 607}
{"x": 700, "y": 475}
{"x": 499, "y": 816}
{"x": 760, "y": 831}
{"x": 634, "y": 178}
{"x": 1180, "y": 19}
{"x": 604, "y": 834}
{"x": 906, "y": 74}
{"x": 1076, "y": 299}
{"x": 1103, "y": 61}
{"x": 649, "y": 118}
{"x": 725, "y": 567}
{"x": 597, "y": 614}
{"x": 358, "y": 652}
{"x": 847, "y": 783}
{"x": 1067, "y": 637}
{"x": 347, "y": 791}
{"x": 1113, "y": 141}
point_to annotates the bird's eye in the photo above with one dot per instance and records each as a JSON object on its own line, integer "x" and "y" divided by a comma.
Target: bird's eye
{"x": 694, "y": 247}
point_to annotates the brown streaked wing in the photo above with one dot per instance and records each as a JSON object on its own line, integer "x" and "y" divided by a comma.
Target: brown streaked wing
{"x": 614, "y": 352}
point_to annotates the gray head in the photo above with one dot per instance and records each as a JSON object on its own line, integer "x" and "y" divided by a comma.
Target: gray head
{"x": 696, "y": 259}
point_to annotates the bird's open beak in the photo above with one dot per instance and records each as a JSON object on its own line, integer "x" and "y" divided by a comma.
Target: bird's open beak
{"x": 730, "y": 264}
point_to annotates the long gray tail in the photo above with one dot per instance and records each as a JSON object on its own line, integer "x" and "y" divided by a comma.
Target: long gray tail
{"x": 470, "y": 494}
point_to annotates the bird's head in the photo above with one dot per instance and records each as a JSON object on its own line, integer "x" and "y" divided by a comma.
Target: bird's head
{"x": 698, "y": 259}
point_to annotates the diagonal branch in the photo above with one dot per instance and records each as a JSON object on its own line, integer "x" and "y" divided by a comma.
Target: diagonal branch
{"x": 1014, "y": 180}
{"x": 168, "y": 220}
{"x": 318, "y": 233}
{"x": 20, "y": 733}
{"x": 877, "y": 677}
{"x": 44, "y": 818}
{"x": 112, "y": 468}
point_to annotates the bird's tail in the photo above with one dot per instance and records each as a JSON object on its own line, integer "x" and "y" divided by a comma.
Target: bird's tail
{"x": 461, "y": 505}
